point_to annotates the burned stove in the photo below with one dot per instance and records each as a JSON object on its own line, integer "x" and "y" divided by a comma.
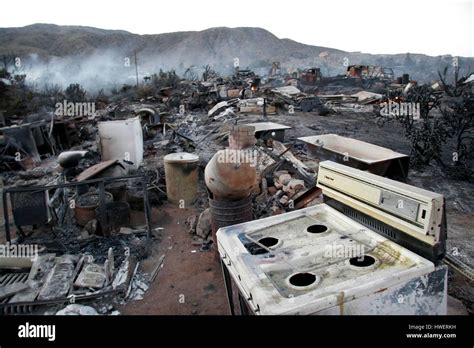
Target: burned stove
{"x": 373, "y": 247}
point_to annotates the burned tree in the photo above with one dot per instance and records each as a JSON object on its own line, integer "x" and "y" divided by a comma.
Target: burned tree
{"x": 190, "y": 74}
{"x": 165, "y": 79}
{"x": 457, "y": 110}
{"x": 425, "y": 132}
{"x": 208, "y": 73}
{"x": 75, "y": 93}
{"x": 443, "y": 130}
{"x": 53, "y": 93}
{"x": 15, "y": 95}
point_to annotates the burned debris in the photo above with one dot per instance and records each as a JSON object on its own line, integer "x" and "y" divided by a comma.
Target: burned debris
{"x": 84, "y": 182}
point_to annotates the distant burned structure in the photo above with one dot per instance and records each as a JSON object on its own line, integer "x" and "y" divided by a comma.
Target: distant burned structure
{"x": 311, "y": 76}
{"x": 370, "y": 71}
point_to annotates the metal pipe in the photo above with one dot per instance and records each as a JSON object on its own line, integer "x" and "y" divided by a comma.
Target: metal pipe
{"x": 147, "y": 209}
{"x": 102, "y": 210}
{"x": 5, "y": 216}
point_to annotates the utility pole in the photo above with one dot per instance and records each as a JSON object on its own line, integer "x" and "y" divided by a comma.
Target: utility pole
{"x": 136, "y": 66}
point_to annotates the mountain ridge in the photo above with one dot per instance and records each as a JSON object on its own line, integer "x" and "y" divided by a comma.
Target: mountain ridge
{"x": 79, "y": 48}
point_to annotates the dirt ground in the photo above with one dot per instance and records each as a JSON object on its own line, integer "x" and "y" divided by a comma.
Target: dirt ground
{"x": 190, "y": 282}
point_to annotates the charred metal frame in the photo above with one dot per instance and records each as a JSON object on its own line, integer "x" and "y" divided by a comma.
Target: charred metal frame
{"x": 28, "y": 306}
{"x": 244, "y": 309}
{"x": 101, "y": 183}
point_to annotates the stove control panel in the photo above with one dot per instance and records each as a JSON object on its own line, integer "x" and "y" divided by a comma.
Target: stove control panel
{"x": 412, "y": 210}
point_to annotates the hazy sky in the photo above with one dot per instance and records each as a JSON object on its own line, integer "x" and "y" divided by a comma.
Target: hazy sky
{"x": 432, "y": 27}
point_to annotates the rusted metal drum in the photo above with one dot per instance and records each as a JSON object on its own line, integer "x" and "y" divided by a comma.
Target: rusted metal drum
{"x": 29, "y": 208}
{"x": 181, "y": 174}
{"x": 224, "y": 213}
{"x": 86, "y": 205}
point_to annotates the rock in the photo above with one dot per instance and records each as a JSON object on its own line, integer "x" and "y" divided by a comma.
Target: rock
{"x": 284, "y": 200}
{"x": 296, "y": 185}
{"x": 203, "y": 228}
{"x": 284, "y": 179}
{"x": 191, "y": 223}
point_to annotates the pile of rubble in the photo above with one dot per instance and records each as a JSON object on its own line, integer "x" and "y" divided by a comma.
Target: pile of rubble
{"x": 49, "y": 282}
{"x": 77, "y": 183}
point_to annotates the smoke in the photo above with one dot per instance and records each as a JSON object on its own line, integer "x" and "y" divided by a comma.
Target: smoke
{"x": 100, "y": 70}
{"x": 105, "y": 69}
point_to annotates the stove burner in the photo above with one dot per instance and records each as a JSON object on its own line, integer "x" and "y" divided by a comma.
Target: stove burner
{"x": 316, "y": 229}
{"x": 362, "y": 261}
{"x": 269, "y": 241}
{"x": 302, "y": 279}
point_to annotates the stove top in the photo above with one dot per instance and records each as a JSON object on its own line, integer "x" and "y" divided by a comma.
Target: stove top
{"x": 304, "y": 261}
{"x": 373, "y": 243}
